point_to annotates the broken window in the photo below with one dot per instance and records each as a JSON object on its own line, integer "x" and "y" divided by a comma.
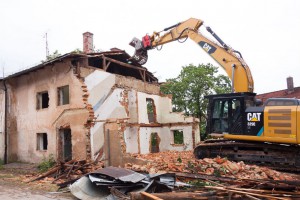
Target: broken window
{"x": 178, "y": 136}
{"x": 151, "y": 110}
{"x": 41, "y": 141}
{"x": 42, "y": 100}
{"x": 63, "y": 95}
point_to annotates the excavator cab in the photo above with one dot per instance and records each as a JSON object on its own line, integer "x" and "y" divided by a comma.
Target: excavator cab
{"x": 227, "y": 112}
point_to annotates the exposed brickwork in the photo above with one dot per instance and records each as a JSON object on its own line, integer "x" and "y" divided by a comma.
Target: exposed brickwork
{"x": 124, "y": 101}
{"x": 90, "y": 121}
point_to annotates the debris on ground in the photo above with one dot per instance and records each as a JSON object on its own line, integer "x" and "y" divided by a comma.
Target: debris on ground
{"x": 117, "y": 183}
{"x": 65, "y": 173}
{"x": 173, "y": 175}
{"x": 175, "y": 161}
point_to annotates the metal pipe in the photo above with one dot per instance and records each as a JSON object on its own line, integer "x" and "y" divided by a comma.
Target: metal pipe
{"x": 5, "y": 122}
{"x": 108, "y": 147}
{"x": 217, "y": 37}
{"x": 232, "y": 79}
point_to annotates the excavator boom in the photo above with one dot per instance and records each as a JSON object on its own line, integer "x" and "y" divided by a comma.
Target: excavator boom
{"x": 229, "y": 59}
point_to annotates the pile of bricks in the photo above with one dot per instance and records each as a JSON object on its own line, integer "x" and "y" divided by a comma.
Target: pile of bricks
{"x": 173, "y": 161}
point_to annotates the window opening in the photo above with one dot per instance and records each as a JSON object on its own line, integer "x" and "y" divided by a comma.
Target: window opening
{"x": 151, "y": 110}
{"x": 42, "y": 141}
{"x": 63, "y": 95}
{"x": 178, "y": 136}
{"x": 42, "y": 100}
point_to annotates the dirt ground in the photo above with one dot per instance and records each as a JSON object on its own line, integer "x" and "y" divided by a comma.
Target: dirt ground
{"x": 13, "y": 184}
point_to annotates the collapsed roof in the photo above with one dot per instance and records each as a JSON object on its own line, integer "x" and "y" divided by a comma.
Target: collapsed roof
{"x": 115, "y": 61}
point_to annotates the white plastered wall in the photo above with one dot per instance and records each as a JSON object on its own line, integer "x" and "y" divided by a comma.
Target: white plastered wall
{"x": 105, "y": 100}
{"x": 140, "y": 138}
{"x": 165, "y": 115}
{"x": 163, "y": 110}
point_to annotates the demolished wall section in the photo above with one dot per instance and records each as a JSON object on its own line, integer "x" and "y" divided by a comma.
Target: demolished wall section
{"x": 105, "y": 100}
{"x": 122, "y": 100}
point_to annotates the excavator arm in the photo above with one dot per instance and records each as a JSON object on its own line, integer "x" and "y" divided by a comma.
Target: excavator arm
{"x": 229, "y": 59}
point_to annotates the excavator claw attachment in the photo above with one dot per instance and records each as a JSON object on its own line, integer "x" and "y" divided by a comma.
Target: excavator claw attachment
{"x": 140, "y": 55}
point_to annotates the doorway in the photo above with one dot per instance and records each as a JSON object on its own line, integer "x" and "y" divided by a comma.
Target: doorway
{"x": 154, "y": 143}
{"x": 65, "y": 144}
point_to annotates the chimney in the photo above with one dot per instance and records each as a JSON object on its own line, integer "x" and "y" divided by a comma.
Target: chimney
{"x": 88, "y": 46}
{"x": 290, "y": 84}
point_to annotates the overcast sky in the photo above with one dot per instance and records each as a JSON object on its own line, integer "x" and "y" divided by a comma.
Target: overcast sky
{"x": 267, "y": 33}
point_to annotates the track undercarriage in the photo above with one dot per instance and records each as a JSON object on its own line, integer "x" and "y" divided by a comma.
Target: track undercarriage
{"x": 276, "y": 156}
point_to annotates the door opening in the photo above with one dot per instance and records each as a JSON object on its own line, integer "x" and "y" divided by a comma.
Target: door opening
{"x": 154, "y": 143}
{"x": 65, "y": 143}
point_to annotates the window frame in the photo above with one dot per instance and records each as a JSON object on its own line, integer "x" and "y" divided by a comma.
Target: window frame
{"x": 173, "y": 134}
{"x": 60, "y": 95}
{"x": 41, "y": 139}
{"x": 39, "y": 100}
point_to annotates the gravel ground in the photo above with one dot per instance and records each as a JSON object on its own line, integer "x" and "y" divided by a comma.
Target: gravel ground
{"x": 9, "y": 191}
{"x": 13, "y": 185}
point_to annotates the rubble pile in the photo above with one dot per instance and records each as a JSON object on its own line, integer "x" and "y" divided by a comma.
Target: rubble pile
{"x": 173, "y": 161}
{"x": 65, "y": 173}
{"x": 120, "y": 183}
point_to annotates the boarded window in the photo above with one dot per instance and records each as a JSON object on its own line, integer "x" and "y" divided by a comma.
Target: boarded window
{"x": 178, "y": 136}
{"x": 63, "y": 95}
{"x": 41, "y": 141}
{"x": 42, "y": 100}
{"x": 151, "y": 110}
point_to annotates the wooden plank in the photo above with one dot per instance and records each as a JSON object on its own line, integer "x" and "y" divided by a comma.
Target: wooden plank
{"x": 150, "y": 196}
{"x": 125, "y": 64}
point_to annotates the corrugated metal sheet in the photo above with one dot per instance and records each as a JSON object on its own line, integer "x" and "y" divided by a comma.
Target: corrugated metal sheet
{"x": 122, "y": 174}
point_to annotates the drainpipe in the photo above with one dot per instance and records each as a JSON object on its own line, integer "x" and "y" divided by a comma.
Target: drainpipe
{"x": 5, "y": 121}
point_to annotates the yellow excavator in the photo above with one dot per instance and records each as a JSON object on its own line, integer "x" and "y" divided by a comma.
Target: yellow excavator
{"x": 267, "y": 134}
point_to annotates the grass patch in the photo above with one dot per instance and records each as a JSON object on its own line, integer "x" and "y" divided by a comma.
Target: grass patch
{"x": 1, "y": 164}
{"x": 47, "y": 163}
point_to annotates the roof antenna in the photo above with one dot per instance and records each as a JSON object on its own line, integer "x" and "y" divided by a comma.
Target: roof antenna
{"x": 47, "y": 49}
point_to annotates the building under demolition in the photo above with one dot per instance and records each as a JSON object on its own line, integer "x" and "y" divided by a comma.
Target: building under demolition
{"x": 88, "y": 106}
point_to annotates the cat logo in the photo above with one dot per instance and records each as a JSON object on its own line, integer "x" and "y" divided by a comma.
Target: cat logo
{"x": 253, "y": 117}
{"x": 206, "y": 47}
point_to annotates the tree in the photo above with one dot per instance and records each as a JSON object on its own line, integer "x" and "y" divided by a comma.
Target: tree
{"x": 190, "y": 87}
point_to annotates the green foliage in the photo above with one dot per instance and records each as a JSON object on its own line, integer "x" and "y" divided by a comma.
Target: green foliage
{"x": 77, "y": 51}
{"x": 179, "y": 159}
{"x": 178, "y": 136}
{"x": 150, "y": 105}
{"x": 46, "y": 164}
{"x": 54, "y": 55}
{"x": 1, "y": 164}
{"x": 190, "y": 87}
{"x": 153, "y": 139}
{"x": 200, "y": 183}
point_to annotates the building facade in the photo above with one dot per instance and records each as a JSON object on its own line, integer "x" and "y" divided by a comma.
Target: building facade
{"x": 89, "y": 106}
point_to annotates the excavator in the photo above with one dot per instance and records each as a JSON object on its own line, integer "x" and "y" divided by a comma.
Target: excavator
{"x": 266, "y": 134}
